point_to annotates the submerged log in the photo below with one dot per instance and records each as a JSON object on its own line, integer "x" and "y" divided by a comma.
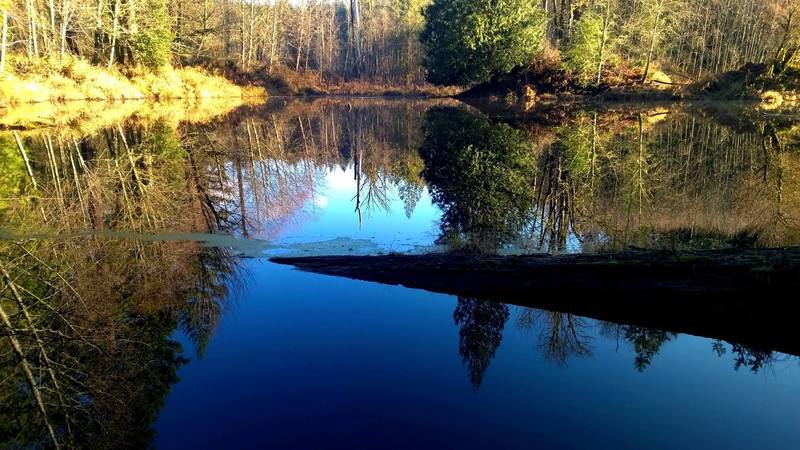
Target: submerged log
{"x": 743, "y": 296}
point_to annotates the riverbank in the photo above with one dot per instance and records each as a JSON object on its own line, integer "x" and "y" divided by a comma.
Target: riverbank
{"x": 283, "y": 81}
{"x": 59, "y": 80}
{"x": 549, "y": 83}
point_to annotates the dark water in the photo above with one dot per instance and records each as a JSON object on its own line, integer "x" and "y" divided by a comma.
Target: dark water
{"x": 139, "y": 307}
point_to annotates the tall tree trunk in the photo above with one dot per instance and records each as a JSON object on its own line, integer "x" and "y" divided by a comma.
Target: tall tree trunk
{"x": 274, "y": 40}
{"x": 33, "y": 29}
{"x": 603, "y": 41}
{"x": 300, "y": 41}
{"x": 114, "y": 27}
{"x": 652, "y": 47}
{"x": 241, "y": 34}
{"x": 3, "y": 40}
{"x": 51, "y": 41}
{"x": 355, "y": 25}
{"x": 251, "y": 29}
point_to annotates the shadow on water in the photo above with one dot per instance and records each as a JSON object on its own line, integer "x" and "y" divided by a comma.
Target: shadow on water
{"x": 87, "y": 354}
{"x": 114, "y": 240}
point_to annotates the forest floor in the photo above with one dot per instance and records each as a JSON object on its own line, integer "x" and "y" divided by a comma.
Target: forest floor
{"x": 283, "y": 81}
{"x": 734, "y": 294}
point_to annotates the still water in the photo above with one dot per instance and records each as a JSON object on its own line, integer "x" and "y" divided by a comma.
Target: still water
{"x": 140, "y": 308}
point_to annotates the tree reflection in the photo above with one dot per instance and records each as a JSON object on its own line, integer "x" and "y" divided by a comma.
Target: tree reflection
{"x": 590, "y": 181}
{"x": 87, "y": 356}
{"x": 481, "y": 174}
{"x": 561, "y": 335}
{"x": 646, "y": 342}
{"x": 481, "y": 324}
{"x": 609, "y": 181}
{"x": 746, "y": 356}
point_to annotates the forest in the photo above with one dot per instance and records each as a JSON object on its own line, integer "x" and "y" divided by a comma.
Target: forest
{"x": 314, "y": 43}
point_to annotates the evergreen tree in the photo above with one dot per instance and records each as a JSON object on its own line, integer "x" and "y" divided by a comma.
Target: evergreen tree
{"x": 469, "y": 41}
{"x": 152, "y": 40}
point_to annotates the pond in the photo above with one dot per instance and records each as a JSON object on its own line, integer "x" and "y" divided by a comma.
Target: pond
{"x": 139, "y": 305}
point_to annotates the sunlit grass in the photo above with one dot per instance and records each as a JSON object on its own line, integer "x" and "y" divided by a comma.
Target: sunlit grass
{"x": 51, "y": 80}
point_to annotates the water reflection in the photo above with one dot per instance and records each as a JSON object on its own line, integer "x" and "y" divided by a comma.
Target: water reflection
{"x": 610, "y": 181}
{"x": 481, "y": 175}
{"x": 250, "y": 175}
{"x": 561, "y": 336}
{"x": 646, "y": 342}
{"x": 89, "y": 353}
{"x": 480, "y": 330}
{"x": 596, "y": 181}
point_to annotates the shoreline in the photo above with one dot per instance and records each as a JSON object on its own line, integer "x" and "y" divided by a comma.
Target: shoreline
{"x": 75, "y": 112}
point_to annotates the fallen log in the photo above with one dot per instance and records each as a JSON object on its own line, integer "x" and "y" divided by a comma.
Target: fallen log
{"x": 744, "y": 296}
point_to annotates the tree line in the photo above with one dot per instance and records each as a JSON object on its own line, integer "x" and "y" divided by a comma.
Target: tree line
{"x": 462, "y": 41}
{"x": 468, "y": 41}
{"x": 374, "y": 39}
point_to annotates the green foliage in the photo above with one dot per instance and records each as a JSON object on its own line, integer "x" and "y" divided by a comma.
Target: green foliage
{"x": 410, "y": 12}
{"x": 480, "y": 174}
{"x": 469, "y": 41}
{"x": 576, "y": 141}
{"x": 153, "y": 42}
{"x": 163, "y": 142}
{"x": 13, "y": 169}
{"x": 581, "y": 54}
{"x": 647, "y": 343}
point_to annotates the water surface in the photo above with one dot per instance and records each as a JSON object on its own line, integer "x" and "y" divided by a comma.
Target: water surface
{"x": 140, "y": 299}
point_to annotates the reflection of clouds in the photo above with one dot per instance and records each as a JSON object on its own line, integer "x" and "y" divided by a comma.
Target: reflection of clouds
{"x": 337, "y": 246}
{"x": 320, "y": 201}
{"x": 340, "y": 180}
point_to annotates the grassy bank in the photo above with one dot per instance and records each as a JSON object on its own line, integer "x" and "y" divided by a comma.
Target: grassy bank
{"x": 54, "y": 80}
{"x": 753, "y": 82}
{"x": 548, "y": 81}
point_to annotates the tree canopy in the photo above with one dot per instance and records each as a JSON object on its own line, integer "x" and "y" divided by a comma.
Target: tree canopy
{"x": 461, "y": 42}
{"x": 468, "y": 41}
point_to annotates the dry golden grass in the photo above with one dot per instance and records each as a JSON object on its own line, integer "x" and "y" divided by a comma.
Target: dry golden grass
{"x": 51, "y": 80}
{"x": 369, "y": 89}
{"x": 285, "y": 81}
{"x": 659, "y": 79}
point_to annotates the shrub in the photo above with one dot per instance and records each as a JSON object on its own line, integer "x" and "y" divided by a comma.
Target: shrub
{"x": 580, "y": 57}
